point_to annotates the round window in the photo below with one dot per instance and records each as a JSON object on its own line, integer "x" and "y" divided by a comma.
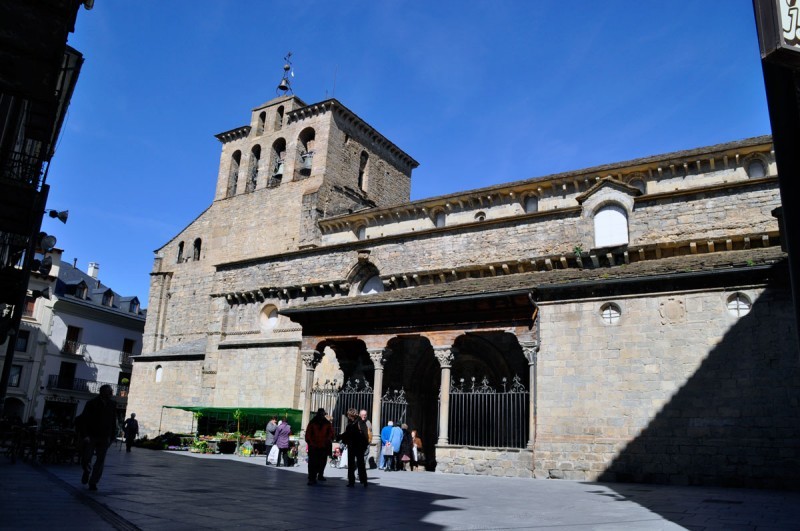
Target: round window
{"x": 610, "y": 313}
{"x": 739, "y": 304}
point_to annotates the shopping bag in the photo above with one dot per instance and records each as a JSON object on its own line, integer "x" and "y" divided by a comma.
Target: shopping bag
{"x": 272, "y": 458}
{"x": 388, "y": 449}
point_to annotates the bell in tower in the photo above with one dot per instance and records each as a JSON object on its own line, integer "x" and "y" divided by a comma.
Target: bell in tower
{"x": 285, "y": 87}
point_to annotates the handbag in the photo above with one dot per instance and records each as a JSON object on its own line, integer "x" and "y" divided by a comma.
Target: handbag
{"x": 388, "y": 449}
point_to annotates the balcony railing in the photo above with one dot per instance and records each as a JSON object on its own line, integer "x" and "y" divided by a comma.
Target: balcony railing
{"x": 73, "y": 348}
{"x": 125, "y": 358}
{"x": 54, "y": 381}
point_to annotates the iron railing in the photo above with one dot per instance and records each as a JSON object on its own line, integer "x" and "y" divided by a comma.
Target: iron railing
{"x": 394, "y": 407}
{"x": 56, "y": 381}
{"x": 73, "y": 348}
{"x": 337, "y": 400}
{"x": 483, "y": 416}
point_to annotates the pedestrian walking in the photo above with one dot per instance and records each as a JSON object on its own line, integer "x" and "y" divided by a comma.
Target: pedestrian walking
{"x": 269, "y": 438}
{"x": 97, "y": 427}
{"x": 131, "y": 430}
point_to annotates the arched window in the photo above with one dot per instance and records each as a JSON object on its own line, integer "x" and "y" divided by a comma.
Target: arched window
{"x": 279, "y": 118}
{"x": 440, "y": 219}
{"x": 362, "y": 170}
{"x": 233, "y": 174}
{"x": 252, "y": 177}
{"x": 159, "y": 373}
{"x": 262, "y": 118}
{"x": 756, "y": 169}
{"x": 305, "y": 146}
{"x": 180, "y": 253}
{"x": 361, "y": 232}
{"x": 480, "y": 216}
{"x": 268, "y": 318}
{"x": 196, "y": 252}
{"x": 371, "y": 285}
{"x": 277, "y": 157}
{"x": 638, "y": 184}
{"x": 531, "y": 204}
{"x": 610, "y": 226}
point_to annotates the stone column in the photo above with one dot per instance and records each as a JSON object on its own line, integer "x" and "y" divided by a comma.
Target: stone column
{"x": 530, "y": 349}
{"x": 444, "y": 355}
{"x": 378, "y": 357}
{"x": 311, "y": 359}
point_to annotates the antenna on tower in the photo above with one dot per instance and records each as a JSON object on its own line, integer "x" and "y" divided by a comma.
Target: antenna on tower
{"x": 285, "y": 85}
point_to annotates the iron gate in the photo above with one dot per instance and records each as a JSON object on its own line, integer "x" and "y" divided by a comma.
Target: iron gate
{"x": 481, "y": 415}
{"x": 337, "y": 400}
{"x": 393, "y": 407}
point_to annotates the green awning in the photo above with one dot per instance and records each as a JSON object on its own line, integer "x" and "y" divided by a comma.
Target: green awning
{"x": 294, "y": 416}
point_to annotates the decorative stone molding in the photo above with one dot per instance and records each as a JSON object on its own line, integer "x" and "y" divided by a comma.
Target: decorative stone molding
{"x": 530, "y": 349}
{"x": 445, "y": 355}
{"x": 379, "y": 356}
{"x": 311, "y": 358}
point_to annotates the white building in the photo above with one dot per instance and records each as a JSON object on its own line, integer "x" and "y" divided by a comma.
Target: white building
{"x": 70, "y": 344}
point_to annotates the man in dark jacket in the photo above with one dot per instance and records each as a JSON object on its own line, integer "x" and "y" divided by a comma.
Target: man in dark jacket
{"x": 97, "y": 428}
{"x": 356, "y": 443}
{"x": 319, "y": 436}
{"x": 131, "y": 430}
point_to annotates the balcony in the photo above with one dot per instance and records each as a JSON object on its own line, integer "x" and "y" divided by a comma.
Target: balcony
{"x": 55, "y": 382}
{"x": 73, "y": 348}
{"x": 125, "y": 358}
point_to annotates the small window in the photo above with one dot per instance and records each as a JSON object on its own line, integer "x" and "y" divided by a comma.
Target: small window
{"x": 21, "y": 344}
{"x": 198, "y": 243}
{"x": 739, "y": 304}
{"x": 255, "y": 162}
{"x": 15, "y": 376}
{"x": 372, "y": 285}
{"x": 81, "y": 291}
{"x": 30, "y": 306}
{"x": 159, "y": 373}
{"x": 361, "y": 232}
{"x": 233, "y": 173}
{"x": 134, "y": 306}
{"x": 610, "y": 226}
{"x": 480, "y": 216}
{"x": 531, "y": 204}
{"x": 638, "y": 184}
{"x": 268, "y": 318}
{"x": 610, "y": 313}
{"x": 277, "y": 156}
{"x": 279, "y": 118}
{"x": 262, "y": 118}
{"x": 362, "y": 170}
{"x": 440, "y": 219}
{"x": 756, "y": 169}
{"x": 305, "y": 143}
{"x": 127, "y": 345}
{"x": 108, "y": 298}
{"x": 180, "y": 252}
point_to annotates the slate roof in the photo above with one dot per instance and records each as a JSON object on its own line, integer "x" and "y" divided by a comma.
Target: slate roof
{"x": 183, "y": 349}
{"x": 69, "y": 277}
{"x": 541, "y": 280}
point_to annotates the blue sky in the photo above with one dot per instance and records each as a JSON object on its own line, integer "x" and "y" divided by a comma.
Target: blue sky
{"x": 478, "y": 92}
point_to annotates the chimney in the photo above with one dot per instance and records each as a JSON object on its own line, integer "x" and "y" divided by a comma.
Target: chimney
{"x": 94, "y": 268}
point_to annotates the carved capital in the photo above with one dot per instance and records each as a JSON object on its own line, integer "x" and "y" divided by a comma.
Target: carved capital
{"x": 445, "y": 355}
{"x": 311, "y": 358}
{"x": 530, "y": 349}
{"x": 379, "y": 356}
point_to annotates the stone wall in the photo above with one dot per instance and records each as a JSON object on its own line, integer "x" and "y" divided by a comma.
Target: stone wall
{"x": 678, "y": 391}
{"x": 504, "y": 462}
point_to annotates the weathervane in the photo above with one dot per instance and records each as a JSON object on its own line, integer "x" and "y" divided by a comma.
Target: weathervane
{"x": 285, "y": 85}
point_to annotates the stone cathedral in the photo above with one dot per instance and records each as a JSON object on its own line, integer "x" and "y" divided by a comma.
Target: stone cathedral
{"x": 626, "y": 322}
